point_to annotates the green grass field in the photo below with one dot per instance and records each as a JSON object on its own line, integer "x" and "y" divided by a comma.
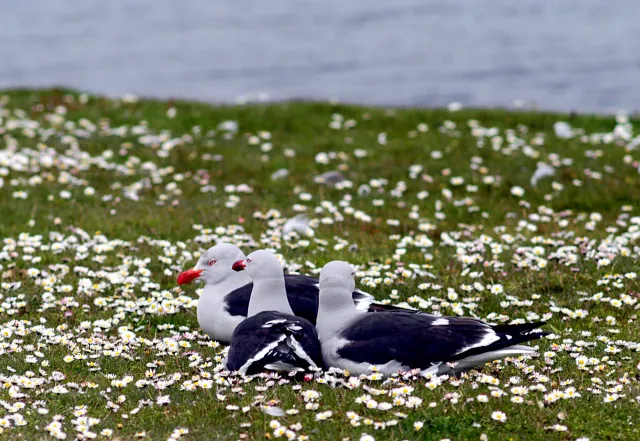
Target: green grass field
{"x": 105, "y": 202}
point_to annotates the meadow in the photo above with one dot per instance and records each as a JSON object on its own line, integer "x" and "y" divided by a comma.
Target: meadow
{"x": 508, "y": 216}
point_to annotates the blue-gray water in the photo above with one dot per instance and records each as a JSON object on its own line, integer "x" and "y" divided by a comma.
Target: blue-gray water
{"x": 560, "y": 54}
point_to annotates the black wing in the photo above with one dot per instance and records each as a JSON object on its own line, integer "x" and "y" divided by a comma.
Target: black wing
{"x": 422, "y": 340}
{"x": 302, "y": 292}
{"x": 276, "y": 341}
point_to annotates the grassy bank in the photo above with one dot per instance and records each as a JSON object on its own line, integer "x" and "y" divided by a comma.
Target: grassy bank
{"x": 106, "y": 201}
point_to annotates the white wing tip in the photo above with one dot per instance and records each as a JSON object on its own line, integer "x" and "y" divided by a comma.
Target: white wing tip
{"x": 281, "y": 366}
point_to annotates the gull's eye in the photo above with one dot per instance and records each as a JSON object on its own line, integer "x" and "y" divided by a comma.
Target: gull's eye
{"x": 212, "y": 262}
{"x": 248, "y": 260}
{"x": 353, "y": 273}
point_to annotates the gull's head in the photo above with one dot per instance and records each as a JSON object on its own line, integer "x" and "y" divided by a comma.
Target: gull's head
{"x": 214, "y": 266}
{"x": 260, "y": 265}
{"x": 337, "y": 274}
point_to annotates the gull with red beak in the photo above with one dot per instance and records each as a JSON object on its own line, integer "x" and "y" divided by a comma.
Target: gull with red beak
{"x": 224, "y": 302}
{"x": 271, "y": 337}
{"x": 218, "y": 313}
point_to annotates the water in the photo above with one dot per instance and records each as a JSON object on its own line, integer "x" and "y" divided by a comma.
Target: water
{"x": 563, "y": 54}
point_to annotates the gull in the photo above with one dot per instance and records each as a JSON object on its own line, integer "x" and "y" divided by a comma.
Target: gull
{"x": 399, "y": 341}
{"x": 271, "y": 337}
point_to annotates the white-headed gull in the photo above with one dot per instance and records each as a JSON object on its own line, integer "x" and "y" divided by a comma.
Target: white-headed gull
{"x": 225, "y": 299}
{"x": 398, "y": 341}
{"x": 271, "y": 337}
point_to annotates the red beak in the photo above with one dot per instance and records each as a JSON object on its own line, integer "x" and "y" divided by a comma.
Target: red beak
{"x": 189, "y": 276}
{"x": 239, "y": 265}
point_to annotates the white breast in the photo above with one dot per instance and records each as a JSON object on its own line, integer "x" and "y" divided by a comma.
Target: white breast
{"x": 214, "y": 320}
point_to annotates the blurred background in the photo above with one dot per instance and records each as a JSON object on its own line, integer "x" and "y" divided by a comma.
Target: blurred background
{"x": 561, "y": 55}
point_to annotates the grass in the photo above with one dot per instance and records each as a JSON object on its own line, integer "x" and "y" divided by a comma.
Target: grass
{"x": 56, "y": 302}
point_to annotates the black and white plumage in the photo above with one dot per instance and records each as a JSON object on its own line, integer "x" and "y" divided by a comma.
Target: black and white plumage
{"x": 225, "y": 299}
{"x": 271, "y": 337}
{"x": 274, "y": 341}
{"x": 397, "y": 341}
{"x": 302, "y": 293}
